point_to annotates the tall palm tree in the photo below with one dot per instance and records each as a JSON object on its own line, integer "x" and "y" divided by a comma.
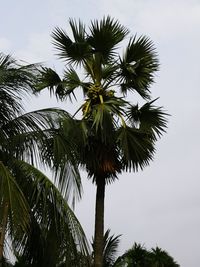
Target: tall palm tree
{"x": 31, "y": 206}
{"x": 113, "y": 134}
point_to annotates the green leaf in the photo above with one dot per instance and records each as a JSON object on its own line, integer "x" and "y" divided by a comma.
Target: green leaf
{"x": 73, "y": 52}
{"x": 105, "y": 35}
{"x": 138, "y": 66}
{"x": 150, "y": 119}
{"x": 12, "y": 196}
{"x": 136, "y": 148}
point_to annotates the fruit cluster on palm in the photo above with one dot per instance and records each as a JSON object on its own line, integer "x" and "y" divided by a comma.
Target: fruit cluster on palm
{"x": 34, "y": 215}
{"x": 113, "y": 134}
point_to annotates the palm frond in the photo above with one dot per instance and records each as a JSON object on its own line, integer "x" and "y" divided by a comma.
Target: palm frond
{"x": 71, "y": 81}
{"x": 10, "y": 106}
{"x": 103, "y": 121}
{"x": 49, "y": 207}
{"x": 105, "y": 35}
{"x": 12, "y": 196}
{"x": 48, "y": 78}
{"x": 16, "y": 79}
{"x": 109, "y": 74}
{"x": 73, "y": 52}
{"x": 138, "y": 66}
{"x": 136, "y": 148}
{"x": 150, "y": 119}
{"x": 160, "y": 257}
{"x": 78, "y": 30}
{"x": 111, "y": 244}
{"x": 36, "y": 137}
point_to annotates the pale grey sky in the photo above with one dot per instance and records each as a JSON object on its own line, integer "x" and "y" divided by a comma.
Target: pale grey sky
{"x": 161, "y": 205}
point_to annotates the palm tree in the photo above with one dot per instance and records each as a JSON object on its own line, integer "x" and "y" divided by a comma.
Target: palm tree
{"x": 160, "y": 258}
{"x": 113, "y": 134}
{"x": 139, "y": 256}
{"x": 31, "y": 206}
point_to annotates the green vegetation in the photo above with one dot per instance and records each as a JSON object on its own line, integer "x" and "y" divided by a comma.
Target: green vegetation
{"x": 34, "y": 215}
{"x": 138, "y": 256}
{"x": 113, "y": 134}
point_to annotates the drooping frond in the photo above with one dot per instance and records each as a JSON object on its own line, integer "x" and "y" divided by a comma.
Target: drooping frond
{"x": 16, "y": 79}
{"x": 136, "y": 148}
{"x": 38, "y": 139}
{"x": 12, "y": 199}
{"x": 50, "y": 79}
{"x": 71, "y": 81}
{"x": 149, "y": 119}
{"x": 48, "y": 208}
{"x": 29, "y": 200}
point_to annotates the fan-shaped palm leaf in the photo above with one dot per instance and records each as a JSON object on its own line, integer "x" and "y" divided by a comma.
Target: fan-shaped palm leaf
{"x": 105, "y": 35}
{"x": 138, "y": 66}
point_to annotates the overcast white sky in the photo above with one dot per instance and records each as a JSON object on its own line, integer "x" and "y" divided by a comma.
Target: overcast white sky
{"x": 161, "y": 205}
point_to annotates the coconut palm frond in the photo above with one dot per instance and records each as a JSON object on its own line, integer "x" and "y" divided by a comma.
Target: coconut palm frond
{"x": 14, "y": 206}
{"x": 33, "y": 209}
{"x": 48, "y": 209}
{"x": 16, "y": 79}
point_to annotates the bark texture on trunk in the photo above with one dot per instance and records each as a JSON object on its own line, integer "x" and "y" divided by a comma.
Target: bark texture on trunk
{"x": 99, "y": 223}
{"x": 3, "y": 230}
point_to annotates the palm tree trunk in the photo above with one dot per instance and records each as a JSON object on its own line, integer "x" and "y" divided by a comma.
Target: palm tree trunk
{"x": 99, "y": 223}
{"x": 3, "y": 231}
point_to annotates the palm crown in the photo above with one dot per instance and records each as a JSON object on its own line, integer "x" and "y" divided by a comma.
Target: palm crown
{"x": 113, "y": 135}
